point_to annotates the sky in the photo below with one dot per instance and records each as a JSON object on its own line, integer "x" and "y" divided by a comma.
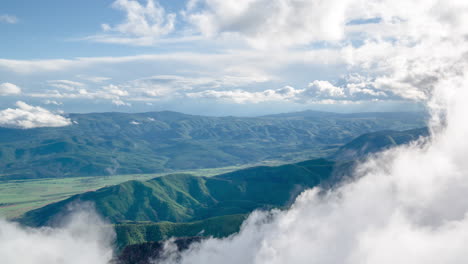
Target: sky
{"x": 207, "y": 57}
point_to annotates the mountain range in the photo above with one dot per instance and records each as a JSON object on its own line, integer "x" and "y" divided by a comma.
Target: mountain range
{"x": 185, "y": 205}
{"x": 375, "y": 142}
{"x": 155, "y": 142}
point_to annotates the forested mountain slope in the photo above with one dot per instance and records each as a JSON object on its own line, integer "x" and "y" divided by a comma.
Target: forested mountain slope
{"x": 185, "y": 198}
{"x": 123, "y": 143}
{"x": 370, "y": 143}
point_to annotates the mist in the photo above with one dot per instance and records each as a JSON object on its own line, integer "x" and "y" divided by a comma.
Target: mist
{"x": 81, "y": 237}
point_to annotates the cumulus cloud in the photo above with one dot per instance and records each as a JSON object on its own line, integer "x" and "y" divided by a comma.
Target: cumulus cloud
{"x": 277, "y": 23}
{"x": 325, "y": 89}
{"x": 242, "y": 96}
{"x": 83, "y": 238}
{"x": 144, "y": 24}
{"x": 317, "y": 92}
{"x": 220, "y": 86}
{"x": 361, "y": 85}
{"x": 9, "y": 89}
{"x": 9, "y": 19}
{"x": 26, "y": 116}
{"x": 115, "y": 90}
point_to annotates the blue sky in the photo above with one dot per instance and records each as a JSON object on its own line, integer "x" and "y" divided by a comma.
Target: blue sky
{"x": 50, "y": 29}
{"x": 207, "y": 57}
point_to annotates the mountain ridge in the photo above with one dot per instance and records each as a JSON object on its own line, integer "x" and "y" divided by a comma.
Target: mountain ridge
{"x": 186, "y": 198}
{"x": 155, "y": 142}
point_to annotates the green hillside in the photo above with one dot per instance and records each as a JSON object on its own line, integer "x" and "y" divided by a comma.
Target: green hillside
{"x": 122, "y": 143}
{"x": 186, "y": 198}
{"x": 377, "y": 141}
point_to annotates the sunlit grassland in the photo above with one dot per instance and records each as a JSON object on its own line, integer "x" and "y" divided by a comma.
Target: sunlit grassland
{"x": 18, "y": 197}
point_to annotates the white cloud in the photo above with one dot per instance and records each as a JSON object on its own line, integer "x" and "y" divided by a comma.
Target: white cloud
{"x": 317, "y": 92}
{"x": 361, "y": 85}
{"x": 84, "y": 239}
{"x": 325, "y": 89}
{"x": 9, "y": 89}
{"x": 115, "y": 90}
{"x": 144, "y": 24}
{"x": 275, "y": 23}
{"x": 9, "y": 19}
{"x": 285, "y": 94}
{"x": 26, "y": 116}
{"x": 242, "y": 96}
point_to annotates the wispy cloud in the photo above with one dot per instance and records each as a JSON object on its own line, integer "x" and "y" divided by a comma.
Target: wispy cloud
{"x": 94, "y": 79}
{"x": 66, "y": 84}
{"x": 237, "y": 59}
{"x": 9, "y": 19}
{"x": 165, "y": 85}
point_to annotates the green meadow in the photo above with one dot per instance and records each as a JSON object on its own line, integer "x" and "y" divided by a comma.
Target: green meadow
{"x": 20, "y": 196}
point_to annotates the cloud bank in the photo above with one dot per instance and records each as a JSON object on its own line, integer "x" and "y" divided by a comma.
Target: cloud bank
{"x": 27, "y": 116}
{"x": 318, "y": 92}
{"x": 84, "y": 238}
